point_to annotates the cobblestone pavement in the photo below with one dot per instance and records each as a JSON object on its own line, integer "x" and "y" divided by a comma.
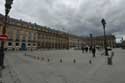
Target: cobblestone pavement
{"x": 58, "y": 66}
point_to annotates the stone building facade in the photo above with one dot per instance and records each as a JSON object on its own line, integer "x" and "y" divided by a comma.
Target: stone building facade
{"x": 27, "y": 36}
{"x": 99, "y": 41}
{"x": 76, "y": 41}
{"x": 22, "y": 36}
{"x": 52, "y": 39}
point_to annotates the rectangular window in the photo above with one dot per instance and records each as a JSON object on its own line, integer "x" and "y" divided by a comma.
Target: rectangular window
{"x": 34, "y": 44}
{"x": 29, "y": 44}
{"x": 17, "y": 44}
{"x": 30, "y": 35}
{"x": 17, "y": 35}
{"x": 34, "y": 36}
{"x": 9, "y": 43}
{"x": 10, "y": 34}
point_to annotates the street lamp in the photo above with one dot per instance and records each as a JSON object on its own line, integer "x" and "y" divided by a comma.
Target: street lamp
{"x": 8, "y": 4}
{"x": 91, "y": 44}
{"x": 105, "y": 44}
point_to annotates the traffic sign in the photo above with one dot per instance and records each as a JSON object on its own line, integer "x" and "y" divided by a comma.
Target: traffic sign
{"x": 3, "y": 37}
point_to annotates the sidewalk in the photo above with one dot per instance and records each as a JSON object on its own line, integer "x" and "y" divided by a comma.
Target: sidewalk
{"x": 31, "y": 70}
{"x": 36, "y": 71}
{"x": 8, "y": 75}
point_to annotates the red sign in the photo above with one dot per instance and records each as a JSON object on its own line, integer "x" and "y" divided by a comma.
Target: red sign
{"x": 3, "y": 37}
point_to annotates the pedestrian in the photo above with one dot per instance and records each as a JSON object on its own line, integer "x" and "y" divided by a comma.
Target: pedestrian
{"x": 93, "y": 51}
{"x": 82, "y": 49}
{"x": 86, "y": 49}
{"x": 90, "y": 49}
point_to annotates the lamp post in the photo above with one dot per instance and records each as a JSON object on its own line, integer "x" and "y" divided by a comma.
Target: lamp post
{"x": 105, "y": 43}
{"x": 91, "y": 44}
{"x": 8, "y": 4}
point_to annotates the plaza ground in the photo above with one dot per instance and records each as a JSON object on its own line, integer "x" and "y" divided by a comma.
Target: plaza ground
{"x": 57, "y": 66}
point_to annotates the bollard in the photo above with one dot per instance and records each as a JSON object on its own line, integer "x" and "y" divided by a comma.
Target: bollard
{"x": 60, "y": 60}
{"x": 109, "y": 60}
{"x": 74, "y": 60}
{"x": 48, "y": 59}
{"x": 90, "y": 61}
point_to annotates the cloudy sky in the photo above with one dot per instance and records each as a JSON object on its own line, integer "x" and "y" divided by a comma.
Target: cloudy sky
{"x": 80, "y": 17}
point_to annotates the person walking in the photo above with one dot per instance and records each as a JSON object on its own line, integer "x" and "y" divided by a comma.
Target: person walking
{"x": 90, "y": 49}
{"x": 86, "y": 49}
{"x": 93, "y": 52}
{"x": 82, "y": 49}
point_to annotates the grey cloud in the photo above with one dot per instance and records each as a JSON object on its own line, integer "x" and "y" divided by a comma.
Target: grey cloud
{"x": 80, "y": 17}
{"x": 2, "y": 6}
